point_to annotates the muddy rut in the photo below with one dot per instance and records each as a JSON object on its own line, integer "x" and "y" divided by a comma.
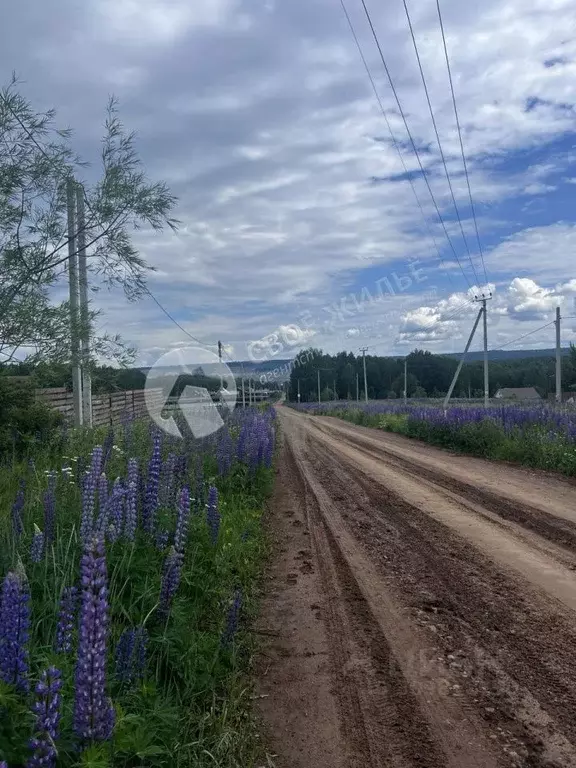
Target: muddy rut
{"x": 420, "y": 610}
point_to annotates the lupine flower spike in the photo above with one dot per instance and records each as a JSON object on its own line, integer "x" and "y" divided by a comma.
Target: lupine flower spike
{"x": 47, "y": 711}
{"x": 93, "y": 712}
{"x": 66, "y": 620}
{"x": 170, "y": 580}
{"x": 14, "y": 630}
{"x": 37, "y": 548}
{"x": 213, "y": 514}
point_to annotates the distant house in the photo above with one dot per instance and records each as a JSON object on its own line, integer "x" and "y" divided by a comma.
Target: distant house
{"x": 517, "y": 393}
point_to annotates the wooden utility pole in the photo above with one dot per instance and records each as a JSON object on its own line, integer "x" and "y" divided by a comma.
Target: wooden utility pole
{"x": 364, "y": 350}
{"x": 85, "y": 329}
{"x": 74, "y": 301}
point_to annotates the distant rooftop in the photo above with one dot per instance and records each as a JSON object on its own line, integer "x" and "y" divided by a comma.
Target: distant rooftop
{"x": 517, "y": 393}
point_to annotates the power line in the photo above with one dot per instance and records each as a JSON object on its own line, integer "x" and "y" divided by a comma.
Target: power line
{"x": 508, "y": 343}
{"x": 173, "y": 319}
{"x": 432, "y": 325}
{"x": 412, "y": 142}
{"x": 424, "y": 83}
{"x": 393, "y": 138}
{"x": 472, "y": 207}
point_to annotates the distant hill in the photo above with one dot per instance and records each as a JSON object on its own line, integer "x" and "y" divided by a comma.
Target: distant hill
{"x": 510, "y": 354}
{"x": 238, "y": 368}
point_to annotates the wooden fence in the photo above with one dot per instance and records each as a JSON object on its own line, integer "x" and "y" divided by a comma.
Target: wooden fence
{"x": 106, "y": 409}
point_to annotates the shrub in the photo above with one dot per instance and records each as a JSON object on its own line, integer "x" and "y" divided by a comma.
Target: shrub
{"x": 22, "y": 420}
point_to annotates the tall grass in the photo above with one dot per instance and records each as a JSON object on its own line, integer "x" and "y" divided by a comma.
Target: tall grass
{"x": 189, "y": 705}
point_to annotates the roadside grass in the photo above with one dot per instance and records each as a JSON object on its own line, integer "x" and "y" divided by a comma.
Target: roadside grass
{"x": 537, "y": 440}
{"x": 183, "y": 696}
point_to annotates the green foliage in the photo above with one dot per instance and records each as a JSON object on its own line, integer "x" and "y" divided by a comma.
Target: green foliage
{"x": 36, "y": 160}
{"x": 23, "y": 422}
{"x": 193, "y": 706}
{"x": 428, "y": 375}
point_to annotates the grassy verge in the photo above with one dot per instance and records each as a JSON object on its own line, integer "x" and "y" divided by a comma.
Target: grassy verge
{"x": 532, "y": 438}
{"x": 170, "y": 651}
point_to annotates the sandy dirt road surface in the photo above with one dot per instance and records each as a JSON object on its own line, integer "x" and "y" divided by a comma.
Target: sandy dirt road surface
{"x": 420, "y": 610}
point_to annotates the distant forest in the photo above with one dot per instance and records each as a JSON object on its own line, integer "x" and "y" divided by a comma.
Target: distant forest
{"x": 428, "y": 375}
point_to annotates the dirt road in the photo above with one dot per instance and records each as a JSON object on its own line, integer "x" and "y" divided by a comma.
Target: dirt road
{"x": 421, "y": 610}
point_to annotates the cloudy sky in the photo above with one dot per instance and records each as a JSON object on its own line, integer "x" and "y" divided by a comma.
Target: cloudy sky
{"x": 298, "y": 214}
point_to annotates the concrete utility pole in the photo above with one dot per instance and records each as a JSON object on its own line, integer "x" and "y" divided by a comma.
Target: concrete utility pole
{"x": 74, "y": 302}
{"x": 298, "y": 390}
{"x": 357, "y": 387}
{"x": 319, "y": 399}
{"x": 461, "y": 363}
{"x": 405, "y": 380}
{"x": 85, "y": 329}
{"x": 486, "y": 381}
{"x": 243, "y": 394}
{"x": 334, "y": 389}
{"x": 558, "y": 357}
{"x": 364, "y": 350}
{"x": 220, "y": 367}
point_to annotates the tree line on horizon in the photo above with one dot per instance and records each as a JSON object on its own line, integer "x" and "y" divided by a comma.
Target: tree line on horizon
{"x": 429, "y": 375}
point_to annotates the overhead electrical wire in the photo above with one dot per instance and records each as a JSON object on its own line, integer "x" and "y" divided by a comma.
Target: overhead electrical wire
{"x": 508, "y": 343}
{"x": 442, "y": 156}
{"x": 395, "y": 143}
{"x": 412, "y": 142}
{"x": 461, "y": 307}
{"x": 472, "y": 206}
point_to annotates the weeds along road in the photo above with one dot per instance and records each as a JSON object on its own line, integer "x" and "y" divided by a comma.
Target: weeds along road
{"x": 421, "y": 608}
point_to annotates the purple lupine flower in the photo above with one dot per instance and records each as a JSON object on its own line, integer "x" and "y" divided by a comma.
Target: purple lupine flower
{"x": 116, "y": 513}
{"x": 107, "y": 446}
{"x": 125, "y": 656}
{"x": 140, "y": 653}
{"x": 14, "y": 630}
{"x": 102, "y": 493}
{"x": 161, "y": 539}
{"x": 3, "y": 764}
{"x": 213, "y": 514}
{"x": 183, "y": 519}
{"x": 269, "y": 451}
{"x": 88, "y": 495}
{"x": 37, "y": 547}
{"x": 131, "y": 518}
{"x": 168, "y": 478}
{"x": 17, "y": 507}
{"x": 110, "y": 517}
{"x": 151, "y": 496}
{"x": 66, "y": 620}
{"x": 93, "y": 712}
{"x": 171, "y": 574}
{"x": 47, "y": 711}
{"x": 49, "y": 503}
{"x": 225, "y": 452}
{"x": 232, "y": 619}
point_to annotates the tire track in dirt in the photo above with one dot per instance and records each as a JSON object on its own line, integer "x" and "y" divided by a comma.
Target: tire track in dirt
{"x": 556, "y": 529}
{"x": 425, "y": 630}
